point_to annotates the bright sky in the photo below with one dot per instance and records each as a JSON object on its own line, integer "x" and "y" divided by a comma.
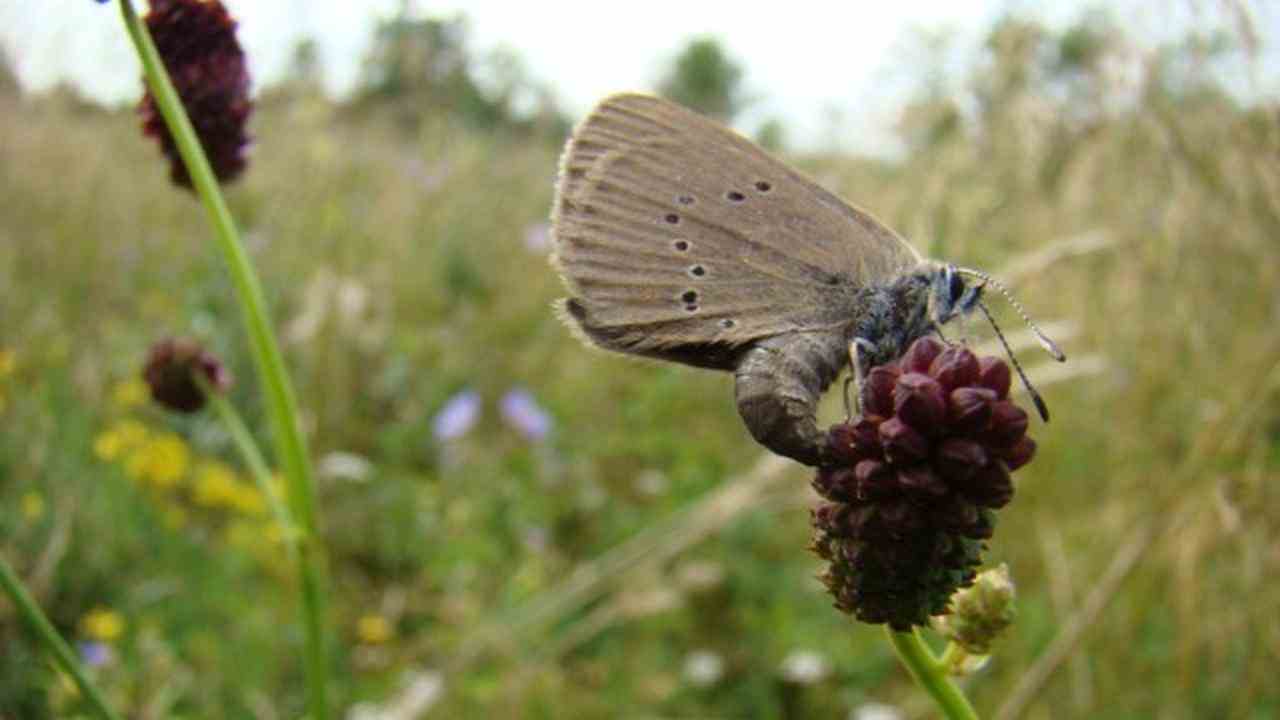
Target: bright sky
{"x": 832, "y": 71}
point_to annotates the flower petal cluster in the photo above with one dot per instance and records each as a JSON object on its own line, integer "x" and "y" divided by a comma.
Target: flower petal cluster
{"x": 170, "y": 373}
{"x": 918, "y": 477}
{"x": 197, "y": 41}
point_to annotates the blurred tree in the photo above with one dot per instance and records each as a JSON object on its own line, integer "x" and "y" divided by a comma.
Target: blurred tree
{"x": 8, "y": 78}
{"x": 929, "y": 121}
{"x": 303, "y": 80}
{"x": 932, "y": 115}
{"x": 304, "y": 66}
{"x": 1189, "y": 68}
{"x": 706, "y": 79}
{"x": 504, "y": 78}
{"x": 422, "y": 66}
{"x": 1039, "y": 96}
{"x": 772, "y": 135}
{"x": 1088, "y": 62}
{"x": 1082, "y": 47}
{"x": 1017, "y": 49}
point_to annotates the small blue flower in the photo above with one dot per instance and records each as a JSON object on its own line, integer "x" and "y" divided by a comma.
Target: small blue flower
{"x": 94, "y": 653}
{"x": 523, "y": 413}
{"x": 459, "y": 414}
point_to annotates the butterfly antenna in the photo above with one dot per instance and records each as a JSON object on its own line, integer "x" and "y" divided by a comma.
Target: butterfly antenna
{"x": 1050, "y": 346}
{"x": 1035, "y": 394}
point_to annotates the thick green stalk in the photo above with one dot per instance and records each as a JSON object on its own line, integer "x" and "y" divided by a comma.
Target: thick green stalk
{"x": 52, "y": 641}
{"x": 931, "y": 675}
{"x": 290, "y": 444}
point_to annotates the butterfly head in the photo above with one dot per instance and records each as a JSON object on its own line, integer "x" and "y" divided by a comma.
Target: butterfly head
{"x": 956, "y": 291}
{"x": 951, "y": 295}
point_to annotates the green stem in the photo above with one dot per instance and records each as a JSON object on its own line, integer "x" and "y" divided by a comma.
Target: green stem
{"x": 290, "y": 444}
{"x": 52, "y": 641}
{"x": 252, "y": 456}
{"x": 951, "y": 658}
{"x": 931, "y": 675}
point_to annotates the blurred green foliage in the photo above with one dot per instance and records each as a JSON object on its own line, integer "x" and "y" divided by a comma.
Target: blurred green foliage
{"x": 704, "y": 77}
{"x": 611, "y": 566}
{"x": 423, "y": 67}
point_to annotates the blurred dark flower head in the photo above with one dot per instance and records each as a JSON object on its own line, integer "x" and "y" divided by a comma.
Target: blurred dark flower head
{"x": 197, "y": 41}
{"x": 170, "y": 373}
{"x": 918, "y": 476}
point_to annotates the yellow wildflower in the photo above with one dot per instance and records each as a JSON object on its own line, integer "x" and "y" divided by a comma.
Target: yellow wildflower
{"x": 373, "y": 629}
{"x": 106, "y": 446}
{"x": 32, "y": 505}
{"x": 124, "y": 436}
{"x": 102, "y": 624}
{"x": 164, "y": 461}
{"x": 247, "y": 499}
{"x": 135, "y": 466}
{"x": 132, "y": 433}
{"x": 251, "y": 535}
{"x": 129, "y": 394}
{"x": 275, "y": 533}
{"x": 275, "y": 486}
{"x": 67, "y": 692}
{"x": 215, "y": 485}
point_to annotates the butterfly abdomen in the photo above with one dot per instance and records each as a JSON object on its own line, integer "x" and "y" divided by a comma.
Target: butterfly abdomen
{"x": 778, "y": 382}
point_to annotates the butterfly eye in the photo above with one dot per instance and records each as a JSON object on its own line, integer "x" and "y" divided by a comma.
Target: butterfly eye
{"x": 956, "y": 287}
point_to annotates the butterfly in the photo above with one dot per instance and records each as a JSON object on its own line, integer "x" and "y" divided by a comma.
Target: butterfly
{"x": 680, "y": 240}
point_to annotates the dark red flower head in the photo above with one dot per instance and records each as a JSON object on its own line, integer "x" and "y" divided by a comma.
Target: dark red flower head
{"x": 170, "y": 373}
{"x": 917, "y": 478}
{"x": 197, "y": 41}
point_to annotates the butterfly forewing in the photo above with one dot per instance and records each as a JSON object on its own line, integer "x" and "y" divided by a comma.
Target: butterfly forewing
{"x": 680, "y": 239}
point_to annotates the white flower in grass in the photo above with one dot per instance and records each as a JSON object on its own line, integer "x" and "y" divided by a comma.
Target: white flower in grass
{"x": 703, "y": 668}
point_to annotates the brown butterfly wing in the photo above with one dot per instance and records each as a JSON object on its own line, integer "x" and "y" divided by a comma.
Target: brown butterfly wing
{"x": 681, "y": 240}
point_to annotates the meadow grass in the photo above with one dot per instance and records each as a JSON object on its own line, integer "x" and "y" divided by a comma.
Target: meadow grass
{"x": 575, "y": 576}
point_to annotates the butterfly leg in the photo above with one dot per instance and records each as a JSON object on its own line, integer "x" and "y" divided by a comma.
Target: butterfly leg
{"x": 778, "y": 382}
{"x": 856, "y": 374}
{"x": 848, "y": 406}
